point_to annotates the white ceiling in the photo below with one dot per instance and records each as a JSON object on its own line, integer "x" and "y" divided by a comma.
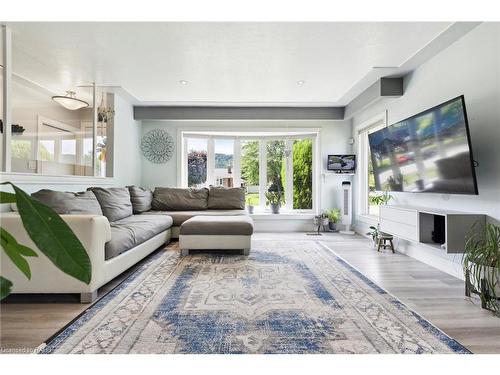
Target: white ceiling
{"x": 224, "y": 63}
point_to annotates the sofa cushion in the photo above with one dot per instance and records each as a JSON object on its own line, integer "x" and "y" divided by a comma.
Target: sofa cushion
{"x": 134, "y": 230}
{"x": 179, "y": 199}
{"x": 221, "y": 198}
{"x": 115, "y": 202}
{"x": 69, "y": 203}
{"x": 218, "y": 225}
{"x": 180, "y": 217}
{"x": 140, "y": 198}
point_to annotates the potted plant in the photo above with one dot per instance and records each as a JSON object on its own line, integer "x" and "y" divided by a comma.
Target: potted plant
{"x": 324, "y": 219}
{"x": 275, "y": 200}
{"x": 333, "y": 217}
{"x": 374, "y": 233}
{"x": 379, "y": 199}
{"x": 251, "y": 201}
{"x": 320, "y": 221}
{"x": 481, "y": 263}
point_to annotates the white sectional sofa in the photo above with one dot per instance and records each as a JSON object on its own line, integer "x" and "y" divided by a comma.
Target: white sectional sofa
{"x": 94, "y": 232}
{"x": 118, "y": 227}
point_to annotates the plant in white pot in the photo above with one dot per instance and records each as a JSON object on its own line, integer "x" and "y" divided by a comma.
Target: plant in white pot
{"x": 251, "y": 201}
{"x": 481, "y": 263}
{"x": 333, "y": 216}
{"x": 275, "y": 200}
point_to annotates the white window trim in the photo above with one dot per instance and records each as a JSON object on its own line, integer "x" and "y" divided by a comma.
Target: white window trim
{"x": 313, "y": 133}
{"x": 365, "y": 128}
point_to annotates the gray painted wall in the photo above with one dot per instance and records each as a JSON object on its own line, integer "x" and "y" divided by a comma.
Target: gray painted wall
{"x": 471, "y": 67}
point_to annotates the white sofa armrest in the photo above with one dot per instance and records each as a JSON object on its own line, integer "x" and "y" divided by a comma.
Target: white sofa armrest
{"x": 92, "y": 230}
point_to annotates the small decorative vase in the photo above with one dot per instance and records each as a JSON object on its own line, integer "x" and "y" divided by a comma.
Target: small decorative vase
{"x": 275, "y": 208}
{"x": 332, "y": 226}
{"x": 250, "y": 209}
{"x": 325, "y": 221}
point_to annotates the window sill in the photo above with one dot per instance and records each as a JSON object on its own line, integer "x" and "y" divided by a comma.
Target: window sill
{"x": 282, "y": 216}
{"x": 33, "y": 178}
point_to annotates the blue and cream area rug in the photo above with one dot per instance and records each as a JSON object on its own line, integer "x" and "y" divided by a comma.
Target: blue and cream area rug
{"x": 286, "y": 297}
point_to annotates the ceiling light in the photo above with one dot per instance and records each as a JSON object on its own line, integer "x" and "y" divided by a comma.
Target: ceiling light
{"x": 70, "y": 101}
{"x": 301, "y": 82}
{"x": 183, "y": 82}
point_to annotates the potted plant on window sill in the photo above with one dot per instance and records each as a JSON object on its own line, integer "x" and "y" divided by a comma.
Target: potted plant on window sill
{"x": 275, "y": 200}
{"x": 251, "y": 201}
{"x": 481, "y": 263}
{"x": 333, "y": 217}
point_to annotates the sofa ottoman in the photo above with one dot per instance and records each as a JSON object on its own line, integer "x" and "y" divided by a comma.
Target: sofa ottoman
{"x": 216, "y": 233}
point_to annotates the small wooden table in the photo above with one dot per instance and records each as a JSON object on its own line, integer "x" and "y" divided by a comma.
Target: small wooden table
{"x": 385, "y": 240}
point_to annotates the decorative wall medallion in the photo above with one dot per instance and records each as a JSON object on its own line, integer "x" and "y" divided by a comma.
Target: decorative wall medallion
{"x": 157, "y": 146}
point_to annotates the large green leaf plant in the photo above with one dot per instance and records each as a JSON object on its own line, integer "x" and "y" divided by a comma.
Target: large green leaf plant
{"x": 50, "y": 233}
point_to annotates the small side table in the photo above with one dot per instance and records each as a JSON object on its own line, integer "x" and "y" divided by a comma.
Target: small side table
{"x": 385, "y": 240}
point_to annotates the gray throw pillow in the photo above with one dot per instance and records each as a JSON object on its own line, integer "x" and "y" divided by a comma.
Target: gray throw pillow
{"x": 115, "y": 202}
{"x": 221, "y": 198}
{"x": 141, "y": 199}
{"x": 62, "y": 202}
{"x": 179, "y": 199}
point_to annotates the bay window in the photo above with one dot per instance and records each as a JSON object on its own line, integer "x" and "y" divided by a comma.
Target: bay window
{"x": 259, "y": 162}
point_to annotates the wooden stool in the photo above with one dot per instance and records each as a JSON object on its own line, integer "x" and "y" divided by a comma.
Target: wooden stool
{"x": 383, "y": 238}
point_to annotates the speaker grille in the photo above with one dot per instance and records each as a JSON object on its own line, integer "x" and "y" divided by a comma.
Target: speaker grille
{"x": 346, "y": 202}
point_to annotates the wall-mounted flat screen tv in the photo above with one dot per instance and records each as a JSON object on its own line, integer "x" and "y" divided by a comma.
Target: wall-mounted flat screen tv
{"x": 428, "y": 152}
{"x": 341, "y": 163}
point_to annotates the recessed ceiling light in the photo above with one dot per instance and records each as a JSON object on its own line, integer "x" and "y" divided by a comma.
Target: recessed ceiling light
{"x": 301, "y": 82}
{"x": 183, "y": 82}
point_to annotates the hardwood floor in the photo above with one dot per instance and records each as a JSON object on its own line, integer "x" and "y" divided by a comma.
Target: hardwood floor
{"x": 26, "y": 322}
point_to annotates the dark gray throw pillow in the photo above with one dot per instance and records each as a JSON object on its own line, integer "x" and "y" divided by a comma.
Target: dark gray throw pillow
{"x": 63, "y": 202}
{"x": 115, "y": 202}
{"x": 179, "y": 199}
{"x": 221, "y": 198}
{"x": 141, "y": 199}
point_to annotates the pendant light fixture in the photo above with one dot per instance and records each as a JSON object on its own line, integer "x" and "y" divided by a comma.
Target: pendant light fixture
{"x": 70, "y": 101}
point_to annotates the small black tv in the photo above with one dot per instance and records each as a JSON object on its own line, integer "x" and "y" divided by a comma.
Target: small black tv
{"x": 429, "y": 152}
{"x": 341, "y": 163}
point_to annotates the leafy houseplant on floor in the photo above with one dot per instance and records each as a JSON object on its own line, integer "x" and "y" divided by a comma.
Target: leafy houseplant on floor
{"x": 333, "y": 216}
{"x": 481, "y": 263}
{"x": 52, "y": 236}
{"x": 380, "y": 199}
{"x": 275, "y": 200}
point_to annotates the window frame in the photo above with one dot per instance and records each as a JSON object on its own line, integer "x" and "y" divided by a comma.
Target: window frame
{"x": 289, "y": 134}
{"x": 367, "y": 127}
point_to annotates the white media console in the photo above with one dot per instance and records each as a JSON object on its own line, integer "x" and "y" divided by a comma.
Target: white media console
{"x": 423, "y": 225}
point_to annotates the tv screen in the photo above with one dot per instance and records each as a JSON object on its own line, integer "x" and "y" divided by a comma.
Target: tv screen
{"x": 341, "y": 163}
{"x": 428, "y": 152}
